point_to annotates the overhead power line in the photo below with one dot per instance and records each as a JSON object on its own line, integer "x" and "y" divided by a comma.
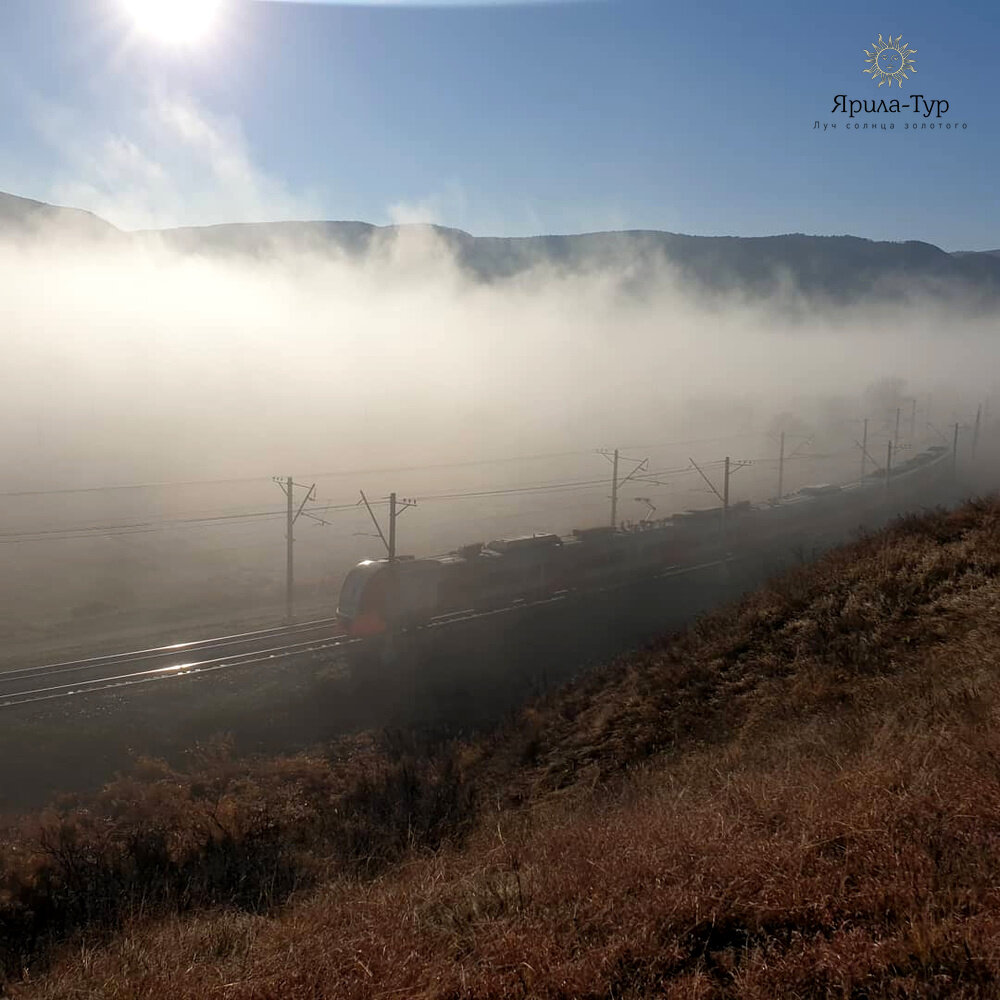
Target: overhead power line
{"x": 70, "y": 532}
{"x": 428, "y": 467}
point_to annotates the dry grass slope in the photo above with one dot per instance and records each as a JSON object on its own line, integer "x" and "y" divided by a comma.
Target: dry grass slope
{"x": 798, "y": 797}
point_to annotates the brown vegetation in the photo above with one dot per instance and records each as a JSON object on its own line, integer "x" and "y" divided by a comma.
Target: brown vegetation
{"x": 799, "y": 796}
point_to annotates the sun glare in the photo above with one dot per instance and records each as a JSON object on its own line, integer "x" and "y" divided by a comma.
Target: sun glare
{"x": 174, "y": 22}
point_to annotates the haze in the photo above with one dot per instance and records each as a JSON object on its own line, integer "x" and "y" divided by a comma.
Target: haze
{"x": 137, "y": 364}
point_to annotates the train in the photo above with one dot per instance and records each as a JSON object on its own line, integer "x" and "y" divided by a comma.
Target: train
{"x": 379, "y": 597}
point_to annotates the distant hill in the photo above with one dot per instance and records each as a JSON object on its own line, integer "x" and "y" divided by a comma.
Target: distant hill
{"x": 819, "y": 269}
{"x": 20, "y": 217}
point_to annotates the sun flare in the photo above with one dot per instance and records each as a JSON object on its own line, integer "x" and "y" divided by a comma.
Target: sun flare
{"x": 174, "y": 22}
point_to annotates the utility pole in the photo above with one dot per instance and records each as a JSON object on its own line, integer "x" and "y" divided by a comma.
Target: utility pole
{"x": 396, "y": 507}
{"x": 614, "y": 491}
{"x": 292, "y": 515}
{"x": 730, "y": 467}
{"x": 392, "y": 528}
{"x": 954, "y": 453}
{"x": 615, "y": 458}
{"x": 289, "y": 552}
{"x": 888, "y": 464}
{"x": 975, "y": 430}
{"x": 781, "y": 468}
{"x": 913, "y": 422}
{"x": 864, "y": 448}
{"x": 895, "y": 435}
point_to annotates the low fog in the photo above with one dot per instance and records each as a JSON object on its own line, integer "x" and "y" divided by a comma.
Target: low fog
{"x": 133, "y": 365}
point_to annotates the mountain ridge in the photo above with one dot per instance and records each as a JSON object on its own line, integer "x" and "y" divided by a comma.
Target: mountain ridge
{"x": 826, "y": 268}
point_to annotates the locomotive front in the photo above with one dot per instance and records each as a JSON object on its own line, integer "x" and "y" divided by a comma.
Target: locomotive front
{"x": 378, "y": 596}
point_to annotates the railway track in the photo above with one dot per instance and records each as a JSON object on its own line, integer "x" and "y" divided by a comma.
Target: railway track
{"x": 116, "y": 671}
{"x": 74, "y": 678}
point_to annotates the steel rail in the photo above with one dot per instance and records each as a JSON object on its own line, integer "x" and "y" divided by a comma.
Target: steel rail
{"x": 194, "y": 668}
{"x": 133, "y": 656}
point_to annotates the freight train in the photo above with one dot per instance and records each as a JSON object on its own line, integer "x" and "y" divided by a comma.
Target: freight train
{"x": 379, "y": 597}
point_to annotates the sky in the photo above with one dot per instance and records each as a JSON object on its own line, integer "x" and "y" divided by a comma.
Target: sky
{"x": 506, "y": 119}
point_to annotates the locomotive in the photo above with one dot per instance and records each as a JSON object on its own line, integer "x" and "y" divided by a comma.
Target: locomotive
{"x": 379, "y": 596}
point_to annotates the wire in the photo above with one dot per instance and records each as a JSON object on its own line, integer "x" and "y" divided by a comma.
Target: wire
{"x": 172, "y": 484}
{"x": 73, "y": 532}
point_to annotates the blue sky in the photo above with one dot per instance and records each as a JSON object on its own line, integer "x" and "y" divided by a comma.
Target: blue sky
{"x": 506, "y": 119}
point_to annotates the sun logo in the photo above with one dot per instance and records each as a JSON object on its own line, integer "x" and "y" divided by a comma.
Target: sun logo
{"x": 890, "y": 60}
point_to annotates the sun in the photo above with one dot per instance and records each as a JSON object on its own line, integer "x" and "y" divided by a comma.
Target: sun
{"x": 890, "y": 60}
{"x": 174, "y": 22}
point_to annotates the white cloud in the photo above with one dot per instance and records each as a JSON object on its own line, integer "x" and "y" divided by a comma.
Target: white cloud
{"x": 427, "y": 210}
{"x": 174, "y": 163}
{"x": 447, "y": 207}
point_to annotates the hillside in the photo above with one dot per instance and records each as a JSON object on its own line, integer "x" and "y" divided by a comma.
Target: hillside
{"x": 23, "y": 218}
{"x": 798, "y": 796}
{"x": 825, "y": 270}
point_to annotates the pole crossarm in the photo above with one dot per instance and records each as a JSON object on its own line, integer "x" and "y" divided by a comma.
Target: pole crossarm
{"x": 867, "y": 454}
{"x": 310, "y": 495}
{"x": 711, "y": 485}
{"x": 937, "y": 431}
{"x": 371, "y": 514}
{"x": 316, "y": 518}
{"x": 804, "y": 444}
{"x": 640, "y": 467}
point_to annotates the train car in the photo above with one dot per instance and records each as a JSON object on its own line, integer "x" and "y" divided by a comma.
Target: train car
{"x": 378, "y": 596}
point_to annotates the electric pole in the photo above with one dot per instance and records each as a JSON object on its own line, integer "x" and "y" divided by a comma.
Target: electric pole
{"x": 615, "y": 458}
{"x": 954, "y": 453}
{"x": 392, "y": 528}
{"x": 975, "y": 430}
{"x": 864, "y": 448}
{"x": 289, "y": 552}
{"x": 888, "y": 464}
{"x": 396, "y": 507}
{"x": 781, "y": 467}
{"x": 730, "y": 467}
{"x": 614, "y": 491}
{"x": 913, "y": 422}
{"x": 292, "y": 515}
{"x": 895, "y": 435}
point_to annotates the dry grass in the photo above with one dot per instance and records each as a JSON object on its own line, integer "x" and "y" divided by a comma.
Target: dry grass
{"x": 799, "y": 797}
{"x": 221, "y": 833}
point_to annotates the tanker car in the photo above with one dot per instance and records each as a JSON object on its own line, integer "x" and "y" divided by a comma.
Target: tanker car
{"x": 378, "y": 596}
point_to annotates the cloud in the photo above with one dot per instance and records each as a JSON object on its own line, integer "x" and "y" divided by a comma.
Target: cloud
{"x": 136, "y": 363}
{"x": 448, "y": 206}
{"x": 172, "y": 163}
{"x": 426, "y": 211}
